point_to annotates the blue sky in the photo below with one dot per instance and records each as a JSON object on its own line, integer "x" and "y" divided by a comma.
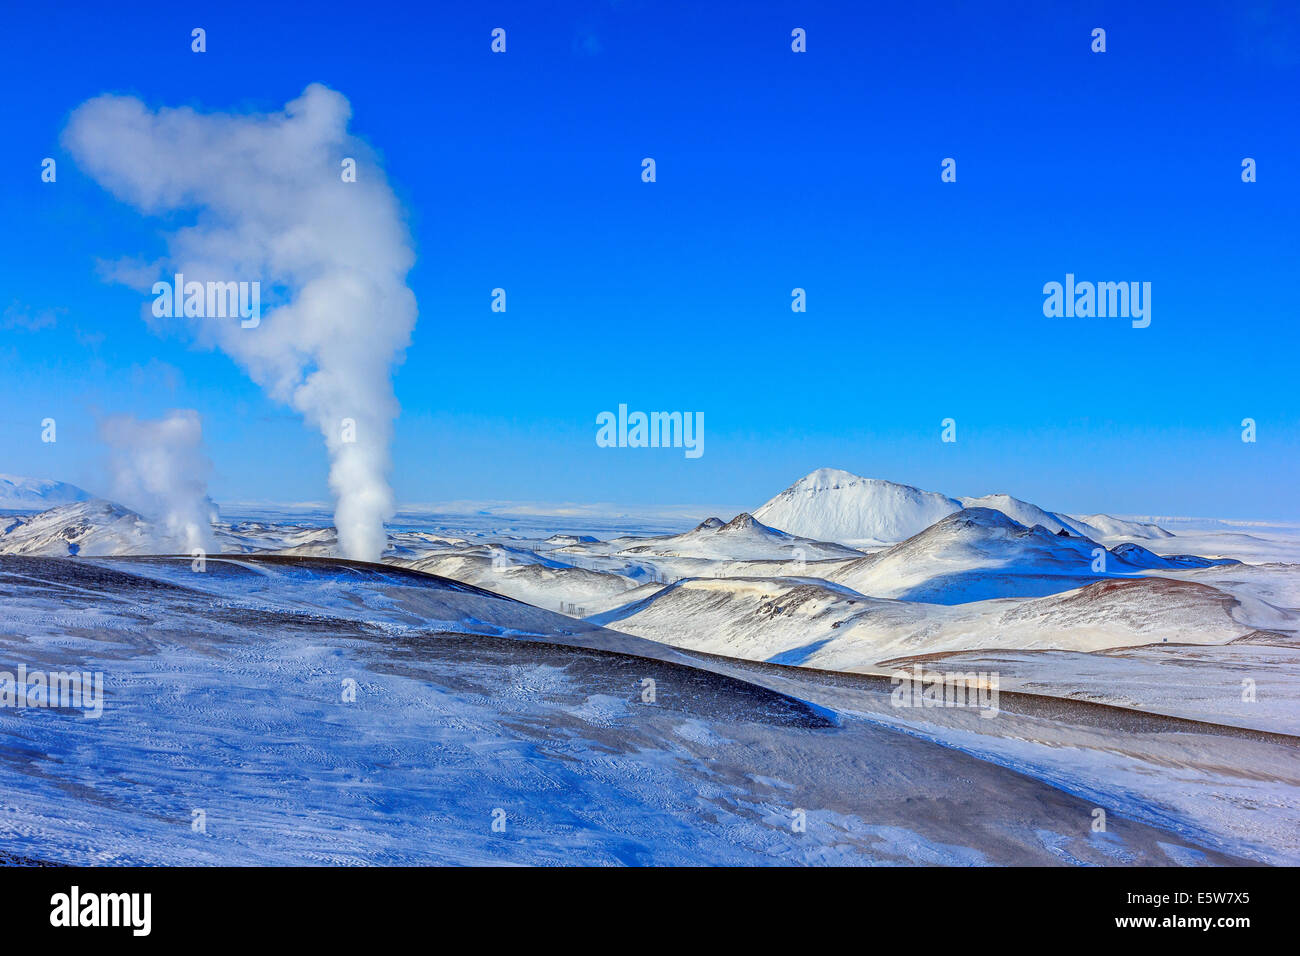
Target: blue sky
{"x": 775, "y": 170}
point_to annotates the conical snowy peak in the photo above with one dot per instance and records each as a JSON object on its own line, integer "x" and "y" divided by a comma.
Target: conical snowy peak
{"x": 743, "y": 522}
{"x": 834, "y": 505}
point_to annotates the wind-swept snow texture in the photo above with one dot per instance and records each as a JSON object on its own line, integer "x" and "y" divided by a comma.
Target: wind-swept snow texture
{"x": 226, "y": 692}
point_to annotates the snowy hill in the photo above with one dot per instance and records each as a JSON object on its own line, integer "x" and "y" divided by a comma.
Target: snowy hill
{"x": 834, "y": 505}
{"x": 1030, "y": 514}
{"x": 980, "y": 553}
{"x": 526, "y": 576}
{"x": 1108, "y": 526}
{"x": 94, "y": 527}
{"x": 37, "y": 494}
{"x": 564, "y": 540}
{"x": 741, "y": 538}
{"x": 816, "y": 624}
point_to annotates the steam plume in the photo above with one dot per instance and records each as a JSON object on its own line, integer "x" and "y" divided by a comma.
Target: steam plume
{"x": 159, "y": 469}
{"x": 269, "y": 204}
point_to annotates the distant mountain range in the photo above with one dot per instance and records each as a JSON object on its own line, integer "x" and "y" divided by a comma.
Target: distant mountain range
{"x": 820, "y": 518}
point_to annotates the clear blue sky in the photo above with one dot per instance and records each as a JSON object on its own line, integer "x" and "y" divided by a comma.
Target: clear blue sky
{"x": 775, "y": 170}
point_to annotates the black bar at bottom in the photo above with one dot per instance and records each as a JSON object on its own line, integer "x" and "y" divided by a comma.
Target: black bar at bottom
{"x": 331, "y": 905}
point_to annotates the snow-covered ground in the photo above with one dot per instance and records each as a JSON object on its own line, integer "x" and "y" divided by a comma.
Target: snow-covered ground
{"x": 225, "y": 702}
{"x": 499, "y": 658}
{"x": 1208, "y": 684}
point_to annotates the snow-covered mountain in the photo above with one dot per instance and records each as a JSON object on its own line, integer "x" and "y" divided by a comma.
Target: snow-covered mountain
{"x": 834, "y": 505}
{"x": 743, "y": 538}
{"x": 93, "y": 527}
{"x": 1108, "y": 526}
{"x": 1099, "y": 527}
{"x": 819, "y": 624}
{"x": 564, "y": 540}
{"x": 37, "y": 494}
{"x": 981, "y": 553}
{"x": 1030, "y": 514}
{"x": 526, "y": 576}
